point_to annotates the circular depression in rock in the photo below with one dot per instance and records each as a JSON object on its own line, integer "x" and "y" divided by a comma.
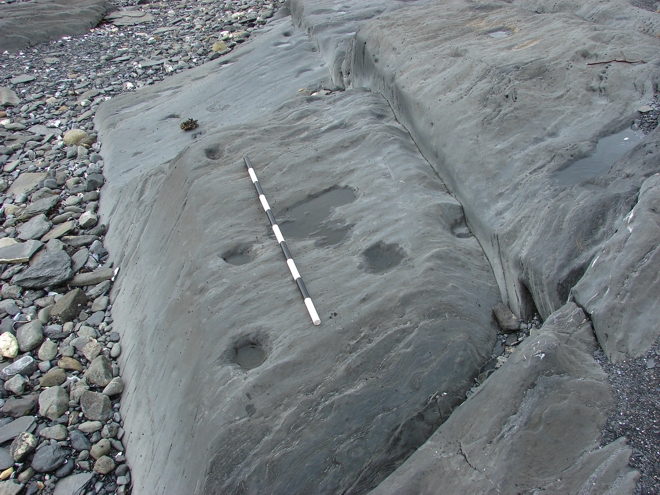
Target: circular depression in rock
{"x": 250, "y": 355}
{"x": 238, "y": 255}
{"x": 381, "y": 257}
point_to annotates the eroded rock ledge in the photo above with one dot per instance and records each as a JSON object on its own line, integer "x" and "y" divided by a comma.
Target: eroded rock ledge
{"x": 546, "y": 408}
{"x": 499, "y": 100}
{"x": 404, "y": 291}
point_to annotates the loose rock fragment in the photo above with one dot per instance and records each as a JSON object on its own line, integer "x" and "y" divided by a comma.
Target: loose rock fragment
{"x": 101, "y": 448}
{"x": 69, "y": 306}
{"x": 16, "y": 384}
{"x": 115, "y": 387}
{"x": 30, "y": 336}
{"x": 43, "y": 205}
{"x": 99, "y": 372}
{"x": 506, "y": 319}
{"x": 104, "y": 465}
{"x": 54, "y": 377}
{"x": 79, "y": 441}
{"x": 8, "y": 97}
{"x": 49, "y": 457}
{"x": 6, "y": 460}
{"x": 74, "y": 137}
{"x": 10, "y": 488}
{"x": 10, "y": 431}
{"x": 72, "y": 485}
{"x": 53, "y": 402}
{"x": 56, "y": 432}
{"x": 69, "y": 363}
{"x": 24, "y": 366}
{"x": 19, "y": 252}
{"x": 34, "y": 228}
{"x": 92, "y": 278}
{"x": 8, "y": 345}
{"x": 52, "y": 268}
{"x": 22, "y": 446}
{"x": 20, "y": 406}
{"x": 96, "y": 406}
{"x": 47, "y": 351}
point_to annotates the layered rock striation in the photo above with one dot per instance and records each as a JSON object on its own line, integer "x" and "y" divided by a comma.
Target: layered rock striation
{"x": 424, "y": 162}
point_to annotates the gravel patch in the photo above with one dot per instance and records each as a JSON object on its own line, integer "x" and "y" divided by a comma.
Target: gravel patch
{"x": 60, "y": 394}
{"x": 506, "y": 343}
{"x": 636, "y": 384}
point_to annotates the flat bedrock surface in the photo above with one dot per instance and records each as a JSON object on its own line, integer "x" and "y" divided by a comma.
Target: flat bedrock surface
{"x": 500, "y": 99}
{"x": 230, "y": 388}
{"x": 30, "y": 23}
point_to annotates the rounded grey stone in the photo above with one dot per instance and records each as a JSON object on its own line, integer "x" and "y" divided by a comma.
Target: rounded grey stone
{"x": 49, "y": 457}
{"x": 115, "y": 387}
{"x": 104, "y": 465}
{"x": 47, "y": 351}
{"x": 16, "y": 384}
{"x": 100, "y": 448}
{"x": 30, "y": 336}
{"x": 56, "y": 432}
{"x": 53, "y": 402}
{"x": 96, "y": 406}
{"x": 99, "y": 372}
{"x": 79, "y": 441}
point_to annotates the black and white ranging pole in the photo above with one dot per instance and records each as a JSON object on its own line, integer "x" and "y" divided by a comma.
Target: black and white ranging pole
{"x": 285, "y": 249}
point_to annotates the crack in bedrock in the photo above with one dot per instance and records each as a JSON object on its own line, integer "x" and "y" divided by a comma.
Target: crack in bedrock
{"x": 339, "y": 73}
{"x": 514, "y": 275}
{"x": 525, "y": 303}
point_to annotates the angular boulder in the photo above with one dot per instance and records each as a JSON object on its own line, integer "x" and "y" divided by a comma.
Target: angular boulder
{"x": 52, "y": 268}
{"x": 69, "y": 305}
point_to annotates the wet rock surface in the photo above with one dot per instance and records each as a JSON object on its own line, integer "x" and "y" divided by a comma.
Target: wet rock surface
{"x": 498, "y": 199}
{"x": 362, "y": 381}
{"x": 366, "y": 214}
{"x": 504, "y": 93}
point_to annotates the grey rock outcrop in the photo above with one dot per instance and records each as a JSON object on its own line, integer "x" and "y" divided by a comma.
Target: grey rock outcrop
{"x": 625, "y": 311}
{"x": 539, "y": 232}
{"x": 339, "y": 410}
{"x": 24, "y": 24}
{"x": 550, "y": 392}
{"x": 353, "y": 260}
